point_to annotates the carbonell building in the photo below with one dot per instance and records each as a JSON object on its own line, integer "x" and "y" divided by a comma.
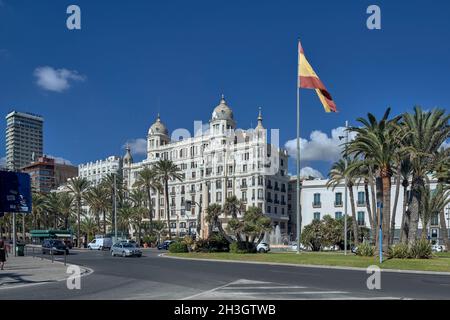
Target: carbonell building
{"x": 216, "y": 163}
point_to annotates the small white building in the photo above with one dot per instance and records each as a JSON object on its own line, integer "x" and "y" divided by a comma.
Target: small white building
{"x": 95, "y": 171}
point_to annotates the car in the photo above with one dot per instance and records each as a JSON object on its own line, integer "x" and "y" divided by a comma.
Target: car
{"x": 100, "y": 244}
{"x": 263, "y": 247}
{"x": 125, "y": 250}
{"x": 130, "y": 241}
{"x": 165, "y": 245}
{"x": 54, "y": 246}
{"x": 293, "y": 246}
{"x": 437, "y": 248}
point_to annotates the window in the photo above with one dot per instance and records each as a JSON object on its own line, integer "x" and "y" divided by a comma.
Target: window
{"x": 182, "y": 225}
{"x": 218, "y": 196}
{"x": 316, "y": 202}
{"x": 435, "y": 219}
{"x": 338, "y": 199}
{"x": 361, "y": 198}
{"x": 361, "y": 218}
{"x": 269, "y": 209}
{"x": 317, "y": 216}
{"x": 244, "y": 196}
{"x": 338, "y": 215}
{"x": 218, "y": 184}
{"x": 260, "y": 194}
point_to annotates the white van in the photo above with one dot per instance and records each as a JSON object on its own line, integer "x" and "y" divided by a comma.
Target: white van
{"x": 100, "y": 244}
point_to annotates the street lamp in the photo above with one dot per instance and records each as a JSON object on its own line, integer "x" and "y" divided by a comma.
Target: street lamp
{"x": 345, "y": 187}
{"x": 448, "y": 222}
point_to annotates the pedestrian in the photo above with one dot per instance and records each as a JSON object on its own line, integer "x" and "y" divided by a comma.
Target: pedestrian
{"x": 2, "y": 253}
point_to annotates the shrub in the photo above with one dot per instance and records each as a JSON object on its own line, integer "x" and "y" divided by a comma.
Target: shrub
{"x": 420, "y": 249}
{"x": 399, "y": 251}
{"x": 365, "y": 250}
{"x": 215, "y": 243}
{"x": 242, "y": 247}
{"x": 178, "y": 247}
{"x": 150, "y": 239}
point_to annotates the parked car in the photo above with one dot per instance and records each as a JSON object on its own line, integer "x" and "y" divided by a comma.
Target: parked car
{"x": 263, "y": 247}
{"x": 293, "y": 246}
{"x": 125, "y": 250}
{"x": 54, "y": 246}
{"x": 130, "y": 241}
{"x": 165, "y": 245}
{"x": 437, "y": 248}
{"x": 100, "y": 244}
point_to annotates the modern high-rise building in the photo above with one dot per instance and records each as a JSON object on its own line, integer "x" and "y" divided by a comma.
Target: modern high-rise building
{"x": 24, "y": 139}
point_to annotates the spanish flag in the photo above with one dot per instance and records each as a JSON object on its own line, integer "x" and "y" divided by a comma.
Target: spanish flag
{"x": 310, "y": 80}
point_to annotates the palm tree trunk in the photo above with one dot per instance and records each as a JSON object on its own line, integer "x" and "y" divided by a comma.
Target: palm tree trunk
{"x": 379, "y": 198}
{"x": 374, "y": 206}
{"x": 394, "y": 209}
{"x": 444, "y": 231}
{"x": 104, "y": 223}
{"x": 150, "y": 215}
{"x": 79, "y": 221}
{"x": 386, "y": 179}
{"x": 413, "y": 207}
{"x": 405, "y": 217}
{"x": 355, "y": 222}
{"x": 368, "y": 207}
{"x": 166, "y": 205}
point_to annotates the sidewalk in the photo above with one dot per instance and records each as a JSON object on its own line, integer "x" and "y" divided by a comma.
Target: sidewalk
{"x": 27, "y": 270}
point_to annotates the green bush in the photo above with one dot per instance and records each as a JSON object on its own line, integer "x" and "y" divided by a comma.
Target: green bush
{"x": 178, "y": 247}
{"x": 150, "y": 239}
{"x": 215, "y": 243}
{"x": 399, "y": 251}
{"x": 420, "y": 249}
{"x": 365, "y": 250}
{"x": 242, "y": 247}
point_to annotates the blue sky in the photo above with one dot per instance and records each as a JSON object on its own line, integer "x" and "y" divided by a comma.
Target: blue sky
{"x": 133, "y": 58}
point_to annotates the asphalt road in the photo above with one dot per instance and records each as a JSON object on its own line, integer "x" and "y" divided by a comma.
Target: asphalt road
{"x": 156, "y": 277}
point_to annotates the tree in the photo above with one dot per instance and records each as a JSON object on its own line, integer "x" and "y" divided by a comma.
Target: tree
{"x": 378, "y": 141}
{"x": 137, "y": 197}
{"x": 338, "y": 174}
{"x": 148, "y": 180}
{"x": 432, "y": 202}
{"x": 113, "y": 183}
{"x": 38, "y": 201}
{"x": 233, "y": 207}
{"x": 88, "y": 226}
{"x": 78, "y": 186}
{"x": 166, "y": 170}
{"x": 312, "y": 235}
{"x": 213, "y": 213}
{"x": 125, "y": 215}
{"x": 427, "y": 130}
{"x": 99, "y": 203}
{"x": 52, "y": 207}
{"x": 66, "y": 207}
{"x": 405, "y": 172}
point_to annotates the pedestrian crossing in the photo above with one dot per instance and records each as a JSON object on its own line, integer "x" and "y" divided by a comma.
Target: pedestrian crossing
{"x": 245, "y": 289}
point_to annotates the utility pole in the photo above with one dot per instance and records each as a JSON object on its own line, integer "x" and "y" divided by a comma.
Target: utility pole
{"x": 345, "y": 188}
{"x": 14, "y": 233}
{"x": 115, "y": 209}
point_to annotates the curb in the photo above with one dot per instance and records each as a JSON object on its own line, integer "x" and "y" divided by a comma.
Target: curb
{"x": 164, "y": 255}
{"x": 87, "y": 271}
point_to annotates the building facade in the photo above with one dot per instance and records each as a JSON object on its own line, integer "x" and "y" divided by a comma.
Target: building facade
{"x": 24, "y": 139}
{"x": 47, "y": 175}
{"x": 317, "y": 201}
{"x": 217, "y": 163}
{"x": 95, "y": 171}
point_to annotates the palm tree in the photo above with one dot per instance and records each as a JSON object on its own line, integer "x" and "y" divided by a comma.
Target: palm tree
{"x": 234, "y": 207}
{"x": 37, "y": 210}
{"x": 99, "y": 202}
{"x": 442, "y": 173}
{"x": 432, "y": 202}
{"x": 66, "y": 207}
{"x": 114, "y": 186}
{"x": 377, "y": 141}
{"x": 89, "y": 227}
{"x": 137, "y": 197}
{"x": 52, "y": 207}
{"x": 167, "y": 170}
{"x": 338, "y": 174}
{"x": 427, "y": 131}
{"x": 213, "y": 213}
{"x": 405, "y": 171}
{"x": 148, "y": 180}
{"x": 78, "y": 186}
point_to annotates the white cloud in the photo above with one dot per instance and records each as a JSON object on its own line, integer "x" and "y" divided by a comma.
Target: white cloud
{"x": 60, "y": 160}
{"x": 137, "y": 146}
{"x": 307, "y": 172}
{"x": 445, "y": 145}
{"x": 320, "y": 146}
{"x": 56, "y": 80}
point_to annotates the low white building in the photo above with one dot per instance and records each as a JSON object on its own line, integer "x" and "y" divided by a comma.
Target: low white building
{"x": 317, "y": 201}
{"x": 95, "y": 171}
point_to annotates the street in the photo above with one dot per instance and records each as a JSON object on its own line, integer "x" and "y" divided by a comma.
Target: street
{"x": 155, "y": 277}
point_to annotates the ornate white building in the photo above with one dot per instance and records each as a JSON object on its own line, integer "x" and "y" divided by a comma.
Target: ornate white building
{"x": 95, "y": 171}
{"x": 215, "y": 164}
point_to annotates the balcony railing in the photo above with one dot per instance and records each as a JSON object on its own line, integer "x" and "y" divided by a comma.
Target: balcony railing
{"x": 361, "y": 203}
{"x": 317, "y": 204}
{"x": 244, "y": 186}
{"x": 283, "y": 203}
{"x": 277, "y": 189}
{"x": 269, "y": 187}
{"x": 269, "y": 200}
{"x": 277, "y": 201}
{"x": 338, "y": 204}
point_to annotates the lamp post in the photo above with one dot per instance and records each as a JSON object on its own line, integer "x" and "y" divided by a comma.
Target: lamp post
{"x": 115, "y": 209}
{"x": 448, "y": 223}
{"x": 345, "y": 187}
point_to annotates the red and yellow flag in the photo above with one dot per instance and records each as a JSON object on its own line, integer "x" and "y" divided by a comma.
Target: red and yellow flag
{"x": 310, "y": 80}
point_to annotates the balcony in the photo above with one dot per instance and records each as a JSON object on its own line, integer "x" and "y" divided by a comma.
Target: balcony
{"x": 269, "y": 186}
{"x": 338, "y": 203}
{"x": 361, "y": 203}
{"x": 283, "y": 203}
{"x": 317, "y": 204}
{"x": 269, "y": 200}
{"x": 244, "y": 186}
{"x": 277, "y": 201}
{"x": 276, "y": 188}
{"x": 283, "y": 189}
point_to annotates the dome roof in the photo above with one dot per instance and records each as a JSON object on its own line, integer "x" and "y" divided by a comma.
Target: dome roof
{"x": 158, "y": 127}
{"x": 128, "y": 158}
{"x": 222, "y": 111}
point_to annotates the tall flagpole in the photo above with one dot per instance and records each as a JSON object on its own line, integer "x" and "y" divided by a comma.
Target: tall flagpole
{"x": 299, "y": 219}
